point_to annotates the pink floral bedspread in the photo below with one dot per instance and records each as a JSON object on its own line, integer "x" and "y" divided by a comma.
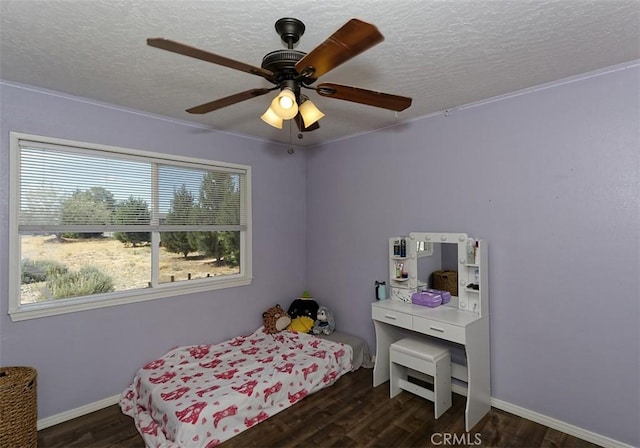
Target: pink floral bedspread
{"x": 200, "y": 396}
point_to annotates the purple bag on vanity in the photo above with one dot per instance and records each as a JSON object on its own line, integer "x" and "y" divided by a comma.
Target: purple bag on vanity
{"x": 446, "y": 295}
{"x": 426, "y": 298}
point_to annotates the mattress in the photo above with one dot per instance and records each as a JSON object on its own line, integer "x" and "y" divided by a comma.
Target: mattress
{"x": 200, "y": 396}
{"x": 361, "y": 354}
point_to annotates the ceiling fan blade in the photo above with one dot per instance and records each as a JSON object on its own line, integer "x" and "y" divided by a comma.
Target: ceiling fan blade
{"x": 177, "y": 47}
{"x": 352, "y": 39}
{"x": 363, "y": 96}
{"x": 227, "y": 101}
{"x": 300, "y": 123}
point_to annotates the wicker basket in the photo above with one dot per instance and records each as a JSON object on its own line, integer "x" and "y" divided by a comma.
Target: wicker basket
{"x": 446, "y": 281}
{"x": 18, "y": 407}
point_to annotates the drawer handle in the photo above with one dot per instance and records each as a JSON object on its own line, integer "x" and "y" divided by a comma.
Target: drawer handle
{"x": 437, "y": 329}
{"x": 388, "y": 316}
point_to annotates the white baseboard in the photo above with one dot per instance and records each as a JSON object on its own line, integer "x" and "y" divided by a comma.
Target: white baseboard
{"x": 559, "y": 425}
{"x": 550, "y": 422}
{"x": 78, "y": 412}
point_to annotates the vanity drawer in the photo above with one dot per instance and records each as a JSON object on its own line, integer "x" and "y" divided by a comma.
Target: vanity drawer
{"x": 439, "y": 329}
{"x": 392, "y": 317}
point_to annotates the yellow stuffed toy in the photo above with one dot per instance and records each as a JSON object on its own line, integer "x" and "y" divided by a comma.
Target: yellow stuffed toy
{"x": 301, "y": 324}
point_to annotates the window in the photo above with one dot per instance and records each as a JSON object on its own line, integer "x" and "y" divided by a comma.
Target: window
{"x": 94, "y": 226}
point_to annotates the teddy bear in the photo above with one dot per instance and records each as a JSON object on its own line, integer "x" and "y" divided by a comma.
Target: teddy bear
{"x": 325, "y": 323}
{"x": 275, "y": 319}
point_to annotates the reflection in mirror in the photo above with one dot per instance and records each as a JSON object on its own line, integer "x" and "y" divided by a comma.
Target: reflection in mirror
{"x": 444, "y": 257}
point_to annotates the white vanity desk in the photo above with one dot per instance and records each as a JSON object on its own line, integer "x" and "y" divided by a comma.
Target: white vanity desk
{"x": 392, "y": 318}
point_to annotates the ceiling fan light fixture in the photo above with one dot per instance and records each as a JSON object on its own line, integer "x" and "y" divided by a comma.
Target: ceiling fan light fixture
{"x": 271, "y": 118}
{"x": 290, "y": 70}
{"x": 286, "y": 99}
{"x": 284, "y": 105}
{"x": 310, "y": 113}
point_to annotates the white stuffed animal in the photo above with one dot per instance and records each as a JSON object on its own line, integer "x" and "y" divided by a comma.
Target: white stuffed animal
{"x": 325, "y": 323}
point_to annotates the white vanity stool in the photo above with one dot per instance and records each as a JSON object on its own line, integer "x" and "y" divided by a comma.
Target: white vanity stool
{"x": 425, "y": 357}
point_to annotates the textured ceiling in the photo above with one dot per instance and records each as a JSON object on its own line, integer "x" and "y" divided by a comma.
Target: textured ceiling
{"x": 442, "y": 53}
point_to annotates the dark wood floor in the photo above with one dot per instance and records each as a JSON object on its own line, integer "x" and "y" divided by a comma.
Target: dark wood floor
{"x": 350, "y": 413}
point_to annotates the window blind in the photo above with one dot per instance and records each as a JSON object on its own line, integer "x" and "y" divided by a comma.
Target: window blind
{"x": 74, "y": 189}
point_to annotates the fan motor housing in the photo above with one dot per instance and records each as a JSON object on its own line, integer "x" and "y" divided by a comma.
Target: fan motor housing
{"x": 283, "y": 64}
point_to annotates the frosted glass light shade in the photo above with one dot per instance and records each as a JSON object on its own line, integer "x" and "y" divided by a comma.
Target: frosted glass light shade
{"x": 271, "y": 118}
{"x": 284, "y": 105}
{"x": 310, "y": 113}
{"x": 286, "y": 100}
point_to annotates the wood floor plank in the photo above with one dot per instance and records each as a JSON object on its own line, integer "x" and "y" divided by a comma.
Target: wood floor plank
{"x": 351, "y": 413}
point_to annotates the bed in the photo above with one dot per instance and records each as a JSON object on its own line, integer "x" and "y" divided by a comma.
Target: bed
{"x": 200, "y": 396}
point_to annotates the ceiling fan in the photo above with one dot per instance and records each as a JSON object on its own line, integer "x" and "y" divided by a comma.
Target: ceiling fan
{"x": 291, "y": 71}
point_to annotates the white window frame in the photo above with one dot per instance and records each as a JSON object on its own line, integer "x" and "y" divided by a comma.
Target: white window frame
{"x": 19, "y": 311}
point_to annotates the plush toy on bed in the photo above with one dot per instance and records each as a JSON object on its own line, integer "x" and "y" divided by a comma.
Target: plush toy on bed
{"x": 301, "y": 324}
{"x": 325, "y": 324}
{"x": 275, "y": 319}
{"x": 303, "y": 306}
{"x": 303, "y": 313}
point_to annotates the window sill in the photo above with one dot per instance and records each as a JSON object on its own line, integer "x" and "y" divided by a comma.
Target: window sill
{"x": 64, "y": 306}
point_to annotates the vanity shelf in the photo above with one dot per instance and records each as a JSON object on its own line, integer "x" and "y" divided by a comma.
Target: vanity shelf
{"x": 402, "y": 278}
{"x": 475, "y": 300}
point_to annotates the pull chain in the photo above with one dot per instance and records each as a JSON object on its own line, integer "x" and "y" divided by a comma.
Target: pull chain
{"x": 290, "y": 150}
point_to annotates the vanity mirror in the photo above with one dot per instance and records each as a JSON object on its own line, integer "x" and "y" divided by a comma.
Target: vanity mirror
{"x": 441, "y": 257}
{"x": 448, "y": 261}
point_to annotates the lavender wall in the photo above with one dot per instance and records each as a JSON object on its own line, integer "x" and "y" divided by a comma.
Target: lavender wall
{"x": 87, "y": 356}
{"x": 551, "y": 179}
